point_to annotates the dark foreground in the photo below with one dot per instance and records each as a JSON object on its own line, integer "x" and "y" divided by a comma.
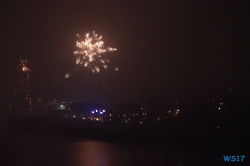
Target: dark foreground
{"x": 35, "y": 148}
{"x": 172, "y": 132}
{"x": 48, "y": 141}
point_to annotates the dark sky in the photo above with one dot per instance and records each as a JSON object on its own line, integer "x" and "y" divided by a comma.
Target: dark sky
{"x": 172, "y": 48}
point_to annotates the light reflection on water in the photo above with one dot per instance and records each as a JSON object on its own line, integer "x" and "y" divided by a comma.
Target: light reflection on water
{"x": 26, "y": 148}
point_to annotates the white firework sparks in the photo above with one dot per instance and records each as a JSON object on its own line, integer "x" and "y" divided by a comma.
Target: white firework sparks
{"x": 23, "y": 64}
{"x": 67, "y": 75}
{"x": 89, "y": 52}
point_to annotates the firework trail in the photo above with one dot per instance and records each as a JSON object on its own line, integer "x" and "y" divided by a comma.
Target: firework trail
{"x": 89, "y": 53}
{"x": 23, "y": 64}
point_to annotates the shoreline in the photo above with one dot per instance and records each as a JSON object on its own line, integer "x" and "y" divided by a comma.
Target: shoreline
{"x": 137, "y": 133}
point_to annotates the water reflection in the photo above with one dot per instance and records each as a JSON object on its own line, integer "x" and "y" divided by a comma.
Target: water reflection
{"x": 25, "y": 148}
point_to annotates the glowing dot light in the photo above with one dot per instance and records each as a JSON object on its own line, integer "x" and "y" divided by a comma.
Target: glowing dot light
{"x": 23, "y": 64}
{"x": 67, "y": 75}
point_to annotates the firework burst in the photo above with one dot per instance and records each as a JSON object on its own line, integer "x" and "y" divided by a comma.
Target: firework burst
{"x": 89, "y": 52}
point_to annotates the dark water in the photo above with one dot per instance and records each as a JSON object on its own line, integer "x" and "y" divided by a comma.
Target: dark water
{"x": 25, "y": 148}
{"x": 34, "y": 148}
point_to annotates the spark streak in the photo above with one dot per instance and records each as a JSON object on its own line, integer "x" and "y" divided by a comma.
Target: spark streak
{"x": 23, "y": 64}
{"x": 89, "y": 52}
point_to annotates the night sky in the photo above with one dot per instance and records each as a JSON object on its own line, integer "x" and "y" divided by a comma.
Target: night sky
{"x": 178, "y": 49}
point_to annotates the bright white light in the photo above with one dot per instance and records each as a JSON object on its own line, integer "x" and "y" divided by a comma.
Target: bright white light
{"x": 92, "y": 112}
{"x": 83, "y": 117}
{"x": 61, "y": 105}
{"x": 74, "y": 116}
{"x": 103, "y": 110}
{"x": 178, "y": 110}
{"x": 89, "y": 52}
{"x": 169, "y": 111}
{"x": 24, "y": 64}
{"x": 67, "y": 75}
{"x": 140, "y": 122}
{"x": 219, "y": 108}
{"x": 97, "y": 119}
{"x": 96, "y": 110}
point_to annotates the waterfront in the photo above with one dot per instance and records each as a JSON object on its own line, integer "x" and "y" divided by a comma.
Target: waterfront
{"x": 31, "y": 148}
{"x": 45, "y": 147}
{"x": 36, "y": 148}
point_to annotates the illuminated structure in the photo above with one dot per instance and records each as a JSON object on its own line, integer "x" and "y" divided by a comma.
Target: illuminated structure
{"x": 128, "y": 113}
{"x": 87, "y": 111}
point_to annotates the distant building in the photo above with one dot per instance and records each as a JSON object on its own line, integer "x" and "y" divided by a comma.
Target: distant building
{"x": 54, "y": 110}
{"x": 55, "y": 105}
{"x": 86, "y": 111}
{"x": 52, "y": 106}
{"x": 127, "y": 113}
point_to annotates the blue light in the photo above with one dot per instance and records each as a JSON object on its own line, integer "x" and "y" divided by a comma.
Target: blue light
{"x": 93, "y": 112}
{"x": 101, "y": 112}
